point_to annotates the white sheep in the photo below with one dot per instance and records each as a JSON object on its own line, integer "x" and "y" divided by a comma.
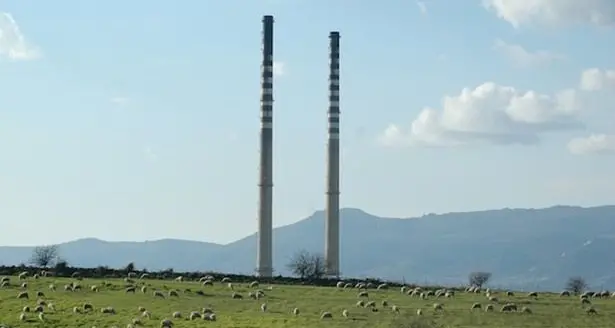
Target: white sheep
{"x": 179, "y": 279}
{"x": 158, "y": 293}
{"x": 326, "y": 315}
{"x": 296, "y": 311}
{"x": 41, "y": 316}
{"x": 438, "y": 307}
{"x": 254, "y": 284}
{"x": 264, "y": 307}
{"x": 22, "y": 317}
{"x": 419, "y": 312}
{"x": 340, "y": 284}
{"x": 194, "y": 315}
{"x": 23, "y": 295}
{"x": 209, "y": 317}
{"x": 107, "y": 310}
{"x": 141, "y": 309}
{"x": 166, "y": 323}
{"x": 177, "y": 315}
{"x": 146, "y": 314}
{"x": 52, "y": 287}
{"x": 345, "y": 313}
{"x": 395, "y": 308}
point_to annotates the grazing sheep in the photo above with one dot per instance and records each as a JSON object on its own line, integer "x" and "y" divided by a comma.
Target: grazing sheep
{"x": 39, "y": 308}
{"x": 146, "y": 314}
{"x": 476, "y": 306}
{"x": 52, "y": 287}
{"x": 385, "y": 303}
{"x": 564, "y": 293}
{"x": 141, "y": 309}
{"x": 23, "y": 295}
{"x": 208, "y": 283}
{"x": 144, "y": 289}
{"x": 345, "y": 313}
{"x": 526, "y": 309}
{"x": 340, "y": 284}
{"x": 94, "y": 289}
{"x": 419, "y": 312}
{"x": 194, "y": 315}
{"x": 144, "y": 276}
{"x": 296, "y": 311}
{"x": 363, "y": 294}
{"x": 40, "y": 294}
{"x": 107, "y": 310}
{"x": 131, "y": 289}
{"x": 209, "y": 317}
{"x": 360, "y": 304}
{"x": 438, "y": 307}
{"x": 179, "y": 279}
{"x": 254, "y": 284}
{"x": 403, "y": 289}
{"x": 51, "y": 307}
{"x": 177, "y": 314}
{"x": 510, "y": 294}
{"x": 173, "y": 293}
{"x": 532, "y": 294}
{"x": 382, "y": 286}
{"x": 395, "y": 308}
{"x": 236, "y": 296}
{"x": 489, "y": 308}
{"x": 5, "y": 284}
{"x": 166, "y": 323}
{"x": 326, "y": 315}
{"x": 5, "y": 279}
{"x": 264, "y": 307}
{"x": 226, "y": 279}
{"x": 370, "y": 304}
{"x": 493, "y": 299}
{"x": 585, "y": 301}
{"x": 77, "y": 309}
{"x": 158, "y": 293}
{"x": 591, "y": 310}
{"x": 24, "y": 285}
{"x": 510, "y": 307}
{"x": 41, "y": 316}
{"x": 23, "y": 275}
{"x": 137, "y": 322}
{"x": 22, "y": 317}
{"x": 449, "y": 294}
{"x": 25, "y": 309}
{"x": 88, "y": 307}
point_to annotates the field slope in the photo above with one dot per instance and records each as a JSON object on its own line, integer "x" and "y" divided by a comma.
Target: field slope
{"x": 549, "y": 310}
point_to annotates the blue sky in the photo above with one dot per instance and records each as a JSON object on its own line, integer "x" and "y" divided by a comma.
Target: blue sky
{"x": 134, "y": 120}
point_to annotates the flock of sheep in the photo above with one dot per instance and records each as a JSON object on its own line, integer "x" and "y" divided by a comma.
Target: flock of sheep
{"x": 134, "y": 284}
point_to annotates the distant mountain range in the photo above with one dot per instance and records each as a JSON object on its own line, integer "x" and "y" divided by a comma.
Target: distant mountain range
{"x": 522, "y": 248}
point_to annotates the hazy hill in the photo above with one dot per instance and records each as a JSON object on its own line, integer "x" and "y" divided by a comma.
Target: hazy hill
{"x": 523, "y": 248}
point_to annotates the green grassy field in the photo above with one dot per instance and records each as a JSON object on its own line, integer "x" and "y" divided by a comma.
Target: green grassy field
{"x": 548, "y": 310}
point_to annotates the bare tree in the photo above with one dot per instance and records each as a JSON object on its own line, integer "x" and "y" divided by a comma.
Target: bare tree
{"x": 44, "y": 256}
{"x": 307, "y": 265}
{"x": 576, "y": 285}
{"x": 479, "y": 278}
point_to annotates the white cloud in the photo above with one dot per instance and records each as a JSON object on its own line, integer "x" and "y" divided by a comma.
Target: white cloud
{"x": 595, "y": 79}
{"x": 12, "y": 42}
{"x": 120, "y": 101}
{"x": 523, "y": 57}
{"x": 149, "y": 154}
{"x": 593, "y": 144}
{"x": 279, "y": 69}
{"x": 489, "y": 113}
{"x": 422, "y": 7}
{"x": 553, "y": 12}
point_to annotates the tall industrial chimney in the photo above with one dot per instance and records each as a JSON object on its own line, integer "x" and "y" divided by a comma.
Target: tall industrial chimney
{"x": 332, "y": 226}
{"x": 264, "y": 257}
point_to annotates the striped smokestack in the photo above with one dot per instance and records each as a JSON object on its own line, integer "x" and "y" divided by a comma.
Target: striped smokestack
{"x": 332, "y": 226}
{"x": 264, "y": 257}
